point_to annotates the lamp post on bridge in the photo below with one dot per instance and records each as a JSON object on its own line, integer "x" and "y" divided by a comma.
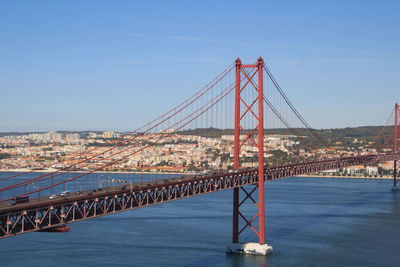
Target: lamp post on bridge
{"x": 35, "y": 187}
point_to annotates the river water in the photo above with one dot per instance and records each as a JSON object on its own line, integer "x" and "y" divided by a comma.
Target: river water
{"x": 310, "y": 222}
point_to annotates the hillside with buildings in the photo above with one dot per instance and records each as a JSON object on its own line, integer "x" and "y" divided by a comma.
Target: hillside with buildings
{"x": 186, "y": 151}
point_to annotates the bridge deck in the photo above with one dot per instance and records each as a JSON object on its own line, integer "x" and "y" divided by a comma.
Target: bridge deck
{"x": 44, "y": 213}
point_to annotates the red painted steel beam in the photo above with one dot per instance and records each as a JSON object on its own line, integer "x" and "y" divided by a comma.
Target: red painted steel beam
{"x": 250, "y": 66}
{"x": 235, "y": 218}
{"x": 261, "y": 201}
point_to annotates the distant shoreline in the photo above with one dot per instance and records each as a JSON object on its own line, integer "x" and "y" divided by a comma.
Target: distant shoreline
{"x": 194, "y": 173}
{"x": 343, "y": 177}
{"x": 119, "y": 172}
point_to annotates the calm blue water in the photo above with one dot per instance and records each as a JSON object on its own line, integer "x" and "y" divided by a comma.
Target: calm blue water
{"x": 310, "y": 222}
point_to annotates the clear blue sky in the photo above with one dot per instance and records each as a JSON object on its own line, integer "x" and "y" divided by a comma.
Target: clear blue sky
{"x": 112, "y": 65}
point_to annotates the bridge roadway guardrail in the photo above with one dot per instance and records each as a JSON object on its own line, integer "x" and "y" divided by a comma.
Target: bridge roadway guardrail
{"x": 45, "y": 213}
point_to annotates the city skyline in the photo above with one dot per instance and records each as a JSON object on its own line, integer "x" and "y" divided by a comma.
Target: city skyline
{"x": 184, "y": 153}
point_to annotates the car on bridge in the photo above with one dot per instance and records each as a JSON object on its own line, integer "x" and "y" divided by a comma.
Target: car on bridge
{"x": 19, "y": 200}
{"x": 64, "y": 193}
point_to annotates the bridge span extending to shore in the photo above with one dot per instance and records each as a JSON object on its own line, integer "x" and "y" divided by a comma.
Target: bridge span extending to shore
{"x": 46, "y": 213}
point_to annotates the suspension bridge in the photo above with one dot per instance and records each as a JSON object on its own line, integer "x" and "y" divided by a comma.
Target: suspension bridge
{"x": 245, "y": 98}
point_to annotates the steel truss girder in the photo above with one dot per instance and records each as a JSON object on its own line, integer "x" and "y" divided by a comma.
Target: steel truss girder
{"x": 45, "y": 217}
{"x": 15, "y": 220}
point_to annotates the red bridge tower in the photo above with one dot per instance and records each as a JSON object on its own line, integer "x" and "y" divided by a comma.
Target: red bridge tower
{"x": 255, "y": 136}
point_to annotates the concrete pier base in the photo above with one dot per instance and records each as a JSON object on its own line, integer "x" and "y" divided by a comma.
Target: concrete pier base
{"x": 395, "y": 189}
{"x": 249, "y": 249}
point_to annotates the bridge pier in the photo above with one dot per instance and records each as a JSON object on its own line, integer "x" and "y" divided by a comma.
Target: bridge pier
{"x": 249, "y": 249}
